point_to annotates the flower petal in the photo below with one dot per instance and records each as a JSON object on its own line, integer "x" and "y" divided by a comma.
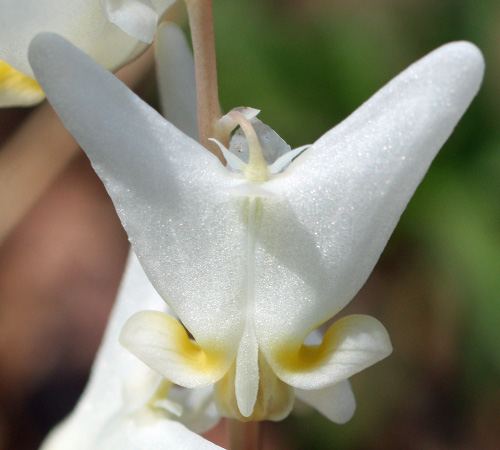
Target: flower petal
{"x": 341, "y": 198}
{"x": 176, "y": 80}
{"x": 103, "y": 396}
{"x": 336, "y": 402}
{"x": 16, "y": 89}
{"x": 161, "y": 434}
{"x": 136, "y": 17}
{"x": 198, "y": 408}
{"x": 162, "y": 343}
{"x": 246, "y": 383}
{"x": 114, "y": 48}
{"x": 350, "y": 345}
{"x": 172, "y": 195}
{"x": 21, "y": 20}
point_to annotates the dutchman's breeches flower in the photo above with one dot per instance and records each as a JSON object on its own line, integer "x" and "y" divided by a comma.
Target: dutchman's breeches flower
{"x": 112, "y": 31}
{"x": 125, "y": 404}
{"x": 254, "y": 257}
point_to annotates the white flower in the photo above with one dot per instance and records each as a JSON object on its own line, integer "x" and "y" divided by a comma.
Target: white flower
{"x": 111, "y": 31}
{"x": 125, "y": 404}
{"x": 252, "y": 263}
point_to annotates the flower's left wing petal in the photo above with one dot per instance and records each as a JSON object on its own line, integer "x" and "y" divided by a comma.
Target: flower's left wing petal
{"x": 341, "y": 199}
{"x": 337, "y": 402}
{"x": 172, "y": 195}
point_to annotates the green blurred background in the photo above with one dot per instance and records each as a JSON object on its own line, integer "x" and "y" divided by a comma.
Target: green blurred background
{"x": 307, "y": 64}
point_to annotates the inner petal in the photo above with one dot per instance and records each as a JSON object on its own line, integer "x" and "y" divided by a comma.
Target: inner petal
{"x": 350, "y": 345}
{"x": 161, "y": 342}
{"x": 274, "y": 397}
{"x": 247, "y": 373}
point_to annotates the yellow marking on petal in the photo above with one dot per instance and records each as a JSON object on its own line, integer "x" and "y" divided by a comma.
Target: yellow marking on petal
{"x": 17, "y": 89}
{"x": 308, "y": 357}
{"x": 162, "y": 342}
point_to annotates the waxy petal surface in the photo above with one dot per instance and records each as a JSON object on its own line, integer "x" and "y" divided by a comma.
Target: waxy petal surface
{"x": 339, "y": 201}
{"x": 350, "y": 345}
{"x": 21, "y": 20}
{"x": 336, "y": 403}
{"x": 172, "y": 195}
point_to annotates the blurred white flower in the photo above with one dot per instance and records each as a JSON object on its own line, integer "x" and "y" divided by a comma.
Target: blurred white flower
{"x": 113, "y": 32}
{"x": 253, "y": 262}
{"x": 125, "y": 404}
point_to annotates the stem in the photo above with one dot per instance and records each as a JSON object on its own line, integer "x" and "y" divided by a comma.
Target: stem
{"x": 40, "y": 150}
{"x": 202, "y": 34}
{"x": 243, "y": 435}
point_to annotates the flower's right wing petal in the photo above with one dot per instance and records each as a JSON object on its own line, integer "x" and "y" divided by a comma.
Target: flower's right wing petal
{"x": 21, "y": 20}
{"x": 172, "y": 195}
{"x": 336, "y": 403}
{"x": 350, "y": 345}
{"x": 176, "y": 80}
{"x": 345, "y": 194}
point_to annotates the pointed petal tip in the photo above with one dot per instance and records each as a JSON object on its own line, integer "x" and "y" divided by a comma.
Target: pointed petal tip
{"x": 468, "y": 56}
{"x": 42, "y": 46}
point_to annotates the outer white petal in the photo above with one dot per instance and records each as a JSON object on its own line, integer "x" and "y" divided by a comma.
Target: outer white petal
{"x": 340, "y": 200}
{"x": 176, "y": 80}
{"x": 171, "y": 194}
{"x": 136, "y": 17}
{"x": 159, "y": 434}
{"x": 336, "y": 402}
{"x": 156, "y": 433}
{"x": 103, "y": 396}
{"x": 20, "y": 20}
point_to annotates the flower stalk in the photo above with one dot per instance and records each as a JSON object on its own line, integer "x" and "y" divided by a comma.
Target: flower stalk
{"x": 207, "y": 92}
{"x": 244, "y": 435}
